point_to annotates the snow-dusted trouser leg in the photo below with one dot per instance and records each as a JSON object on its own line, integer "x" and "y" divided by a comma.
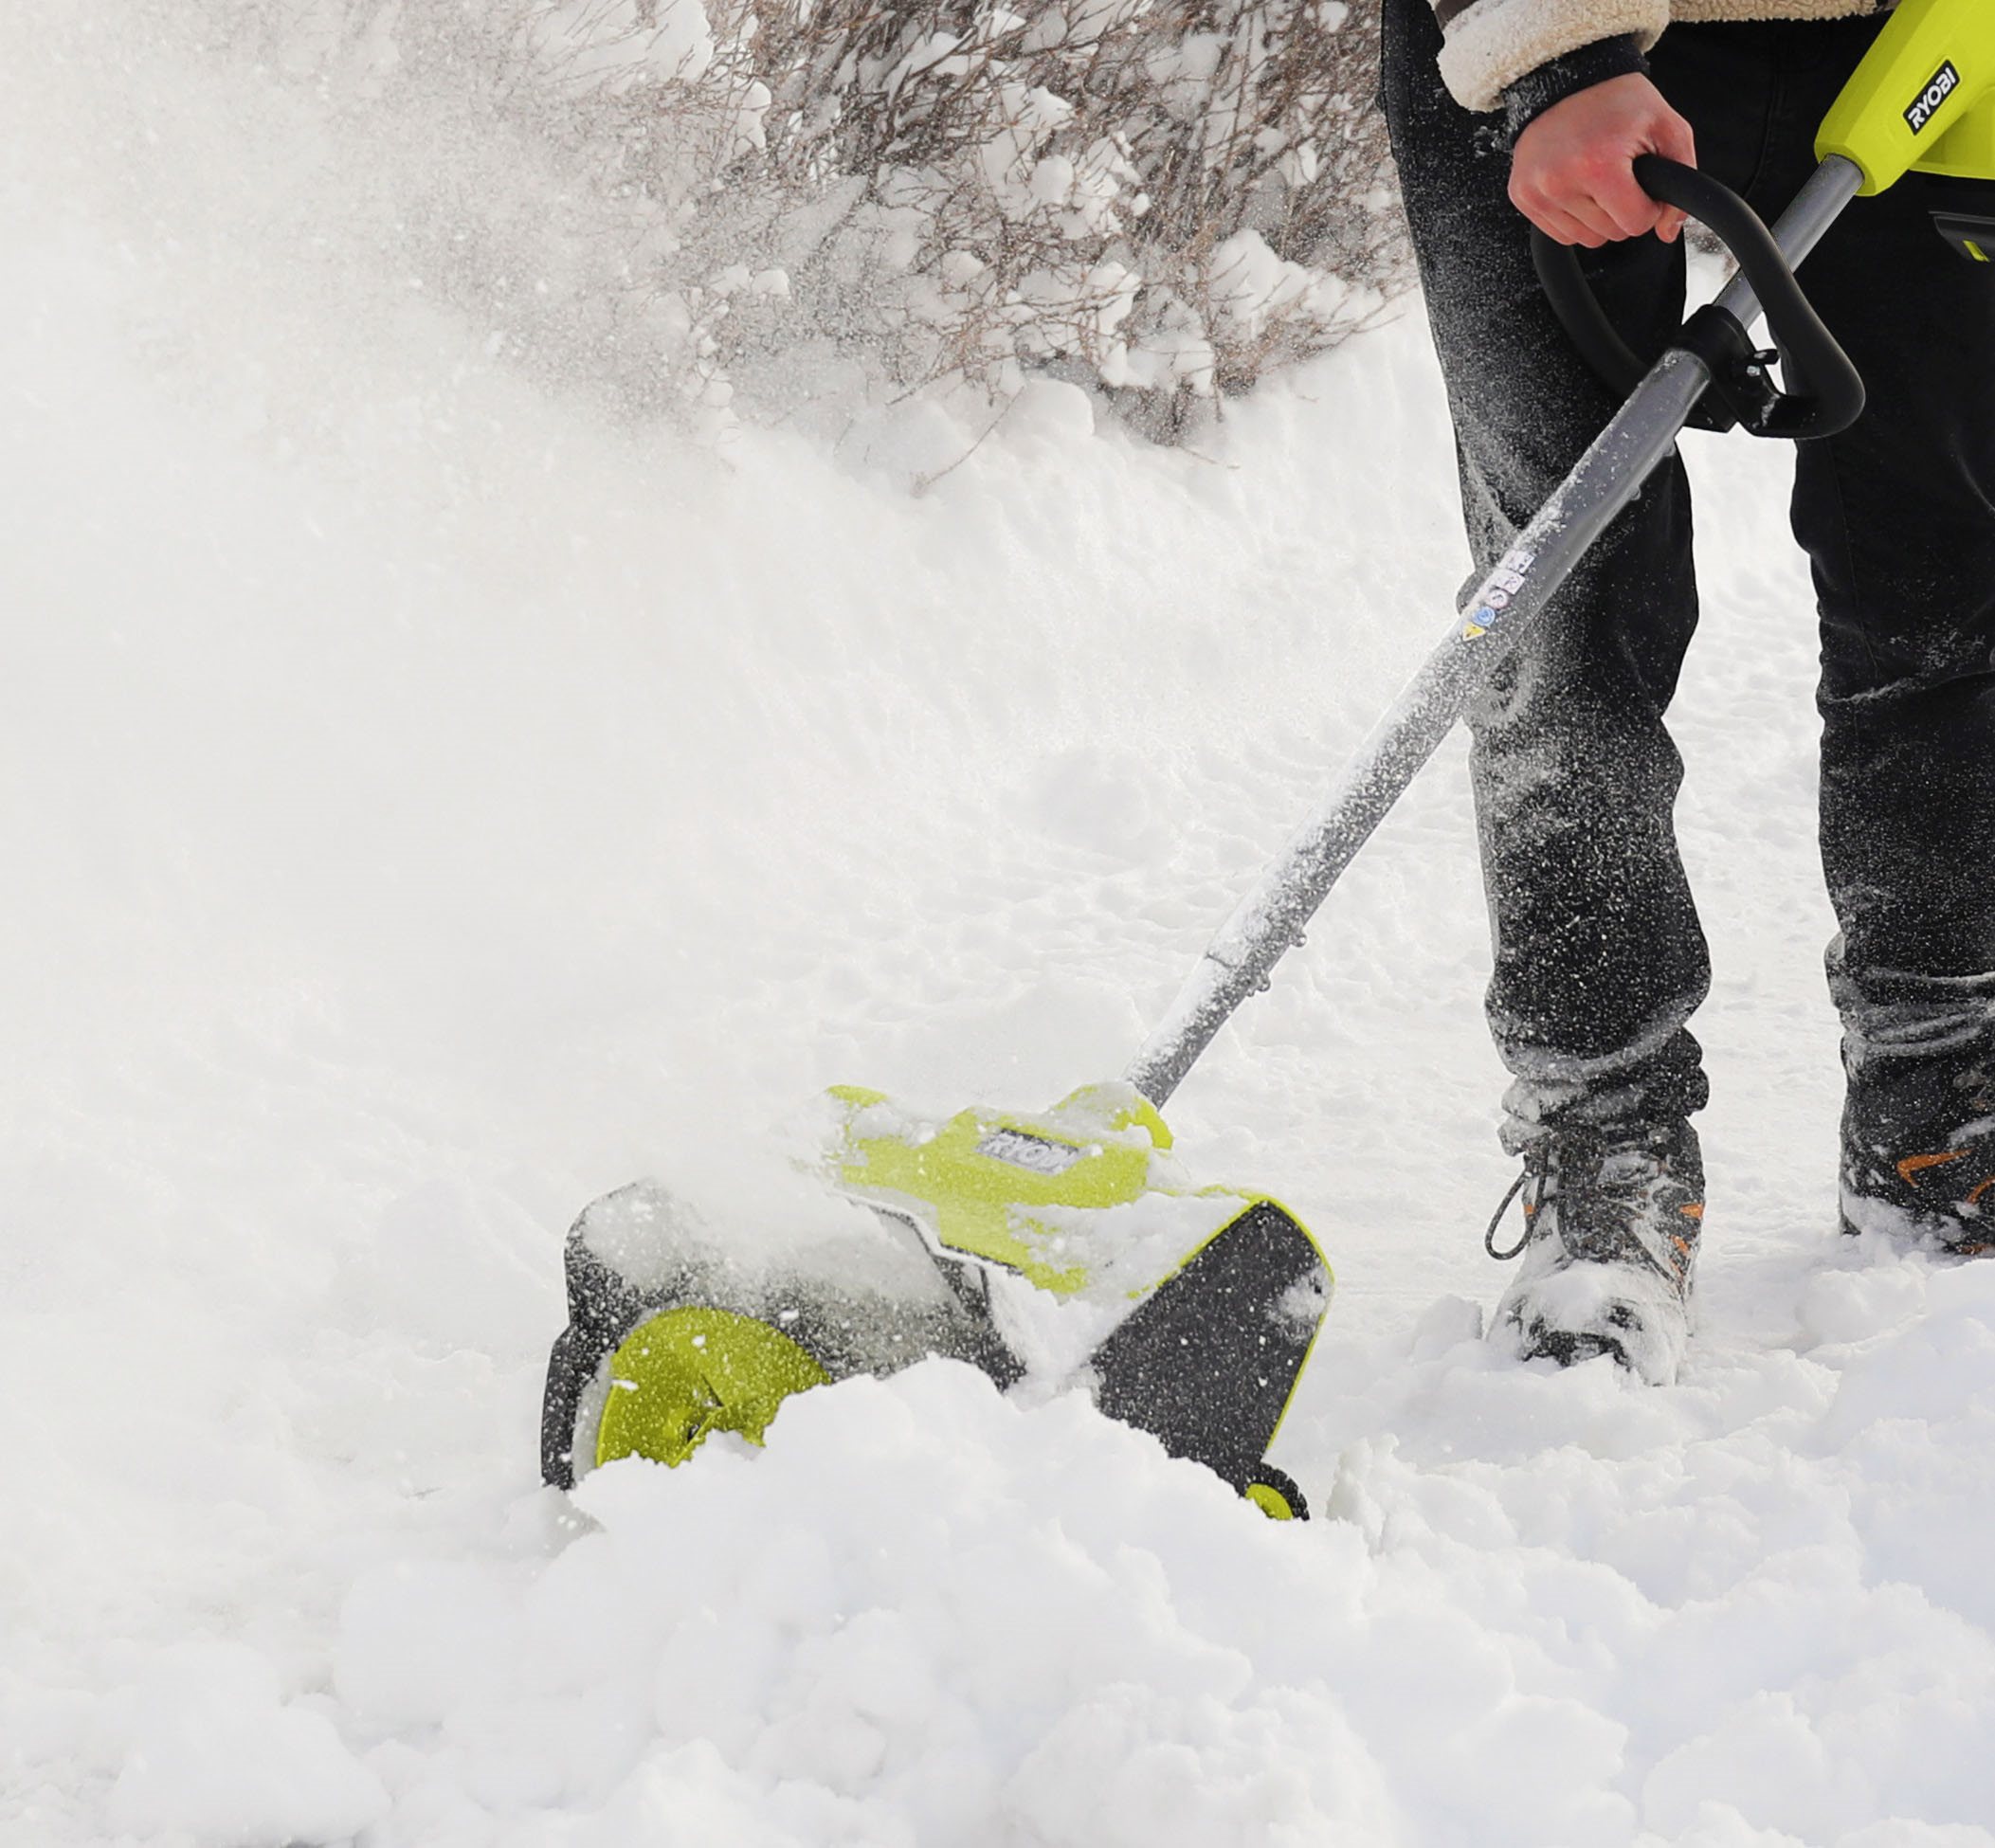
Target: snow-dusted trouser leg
{"x": 1899, "y": 515}
{"x": 1599, "y": 958}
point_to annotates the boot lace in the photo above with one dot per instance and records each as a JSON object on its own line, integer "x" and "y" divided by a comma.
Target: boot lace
{"x": 1537, "y": 1166}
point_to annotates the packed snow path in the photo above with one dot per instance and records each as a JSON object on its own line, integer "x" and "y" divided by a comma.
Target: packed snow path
{"x": 425, "y": 806}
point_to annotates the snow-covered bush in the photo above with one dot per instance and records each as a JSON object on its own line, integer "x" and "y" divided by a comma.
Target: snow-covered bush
{"x": 1174, "y": 196}
{"x": 815, "y": 202}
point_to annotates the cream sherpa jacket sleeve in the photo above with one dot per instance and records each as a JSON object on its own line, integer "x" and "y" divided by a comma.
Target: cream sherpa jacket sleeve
{"x": 1490, "y": 43}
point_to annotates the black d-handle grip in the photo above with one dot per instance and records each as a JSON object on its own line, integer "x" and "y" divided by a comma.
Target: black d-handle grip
{"x": 1825, "y": 391}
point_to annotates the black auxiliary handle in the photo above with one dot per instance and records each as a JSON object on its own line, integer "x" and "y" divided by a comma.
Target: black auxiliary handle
{"x": 1825, "y": 391}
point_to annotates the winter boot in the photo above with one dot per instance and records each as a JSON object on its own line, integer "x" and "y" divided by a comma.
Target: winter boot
{"x": 1610, "y": 1238}
{"x": 1919, "y": 1157}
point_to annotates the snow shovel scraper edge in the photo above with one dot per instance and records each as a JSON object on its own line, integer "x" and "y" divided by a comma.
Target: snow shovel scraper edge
{"x": 654, "y": 1358}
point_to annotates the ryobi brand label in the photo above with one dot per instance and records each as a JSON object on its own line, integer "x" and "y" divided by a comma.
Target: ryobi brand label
{"x": 1945, "y": 81}
{"x": 1037, "y": 1153}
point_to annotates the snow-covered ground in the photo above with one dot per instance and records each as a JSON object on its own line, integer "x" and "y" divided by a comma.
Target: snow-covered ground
{"x": 425, "y": 805}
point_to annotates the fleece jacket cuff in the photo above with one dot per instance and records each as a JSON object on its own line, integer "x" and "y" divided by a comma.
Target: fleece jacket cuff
{"x": 1489, "y": 45}
{"x": 1533, "y": 92}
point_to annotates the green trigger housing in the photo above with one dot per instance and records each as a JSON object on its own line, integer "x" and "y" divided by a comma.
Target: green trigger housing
{"x": 1923, "y": 101}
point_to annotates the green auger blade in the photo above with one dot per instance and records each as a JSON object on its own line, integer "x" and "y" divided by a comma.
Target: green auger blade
{"x": 680, "y": 1375}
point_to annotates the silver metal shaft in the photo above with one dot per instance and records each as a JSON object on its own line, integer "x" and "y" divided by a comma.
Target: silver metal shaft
{"x": 1270, "y": 920}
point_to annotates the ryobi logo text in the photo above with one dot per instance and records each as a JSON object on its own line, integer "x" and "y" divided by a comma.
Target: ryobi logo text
{"x": 1945, "y": 81}
{"x": 1037, "y": 1153}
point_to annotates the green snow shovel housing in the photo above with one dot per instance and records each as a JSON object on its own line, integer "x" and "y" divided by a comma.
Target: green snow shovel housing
{"x": 1217, "y": 1295}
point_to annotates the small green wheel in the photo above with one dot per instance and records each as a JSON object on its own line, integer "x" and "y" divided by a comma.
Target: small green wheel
{"x": 1272, "y": 1491}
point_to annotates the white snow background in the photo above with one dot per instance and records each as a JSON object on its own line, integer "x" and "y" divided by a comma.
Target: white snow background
{"x": 424, "y": 806}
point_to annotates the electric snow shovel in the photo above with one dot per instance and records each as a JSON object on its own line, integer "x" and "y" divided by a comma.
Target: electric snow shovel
{"x": 1085, "y": 1200}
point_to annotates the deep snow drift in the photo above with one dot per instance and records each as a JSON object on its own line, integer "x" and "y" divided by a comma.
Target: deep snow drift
{"x": 426, "y": 806}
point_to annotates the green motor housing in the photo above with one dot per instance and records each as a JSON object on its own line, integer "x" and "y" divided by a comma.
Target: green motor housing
{"x": 1923, "y": 100}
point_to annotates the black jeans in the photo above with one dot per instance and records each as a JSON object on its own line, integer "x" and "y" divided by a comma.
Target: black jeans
{"x": 1599, "y": 957}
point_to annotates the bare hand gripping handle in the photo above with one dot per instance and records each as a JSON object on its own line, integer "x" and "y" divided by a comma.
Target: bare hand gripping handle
{"x": 1270, "y": 919}
{"x": 1824, "y": 393}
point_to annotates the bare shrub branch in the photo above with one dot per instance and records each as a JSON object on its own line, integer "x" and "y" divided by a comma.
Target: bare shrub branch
{"x": 1167, "y": 198}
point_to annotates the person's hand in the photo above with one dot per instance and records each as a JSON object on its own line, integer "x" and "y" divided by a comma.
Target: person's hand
{"x": 1573, "y": 170}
